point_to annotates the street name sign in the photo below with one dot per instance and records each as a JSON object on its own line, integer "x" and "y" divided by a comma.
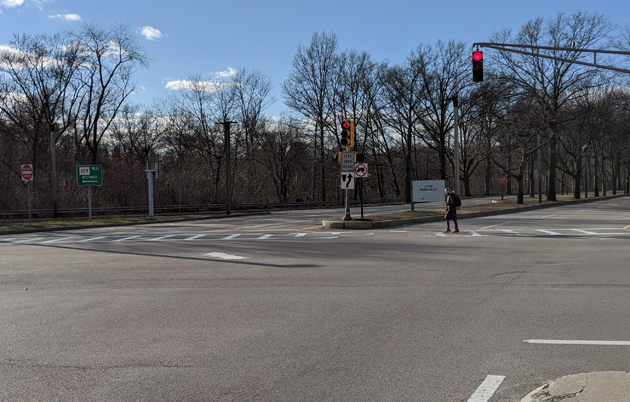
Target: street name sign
{"x": 90, "y": 175}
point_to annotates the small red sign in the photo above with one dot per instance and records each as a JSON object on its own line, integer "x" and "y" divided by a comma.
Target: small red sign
{"x": 27, "y": 172}
{"x": 502, "y": 180}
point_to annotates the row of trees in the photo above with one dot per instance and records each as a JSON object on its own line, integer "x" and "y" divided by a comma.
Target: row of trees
{"x": 532, "y": 118}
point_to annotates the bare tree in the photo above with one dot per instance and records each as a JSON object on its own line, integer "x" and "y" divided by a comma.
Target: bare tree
{"x": 309, "y": 90}
{"x": 108, "y": 60}
{"x": 553, "y": 83}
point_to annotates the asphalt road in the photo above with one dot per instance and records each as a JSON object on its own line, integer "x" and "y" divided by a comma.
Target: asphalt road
{"x": 273, "y": 308}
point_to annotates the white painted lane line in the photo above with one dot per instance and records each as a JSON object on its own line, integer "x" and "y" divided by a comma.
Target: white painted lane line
{"x": 59, "y": 239}
{"x": 487, "y": 389}
{"x": 627, "y": 227}
{"x": 230, "y": 237}
{"x": 224, "y": 256}
{"x": 263, "y": 237}
{"x": 300, "y": 235}
{"x": 473, "y": 233}
{"x": 576, "y": 342}
{"x": 194, "y": 237}
{"x": 161, "y": 238}
{"x": 91, "y": 239}
{"x": 125, "y": 239}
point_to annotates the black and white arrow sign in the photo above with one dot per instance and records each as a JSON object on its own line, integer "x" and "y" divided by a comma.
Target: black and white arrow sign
{"x": 347, "y": 181}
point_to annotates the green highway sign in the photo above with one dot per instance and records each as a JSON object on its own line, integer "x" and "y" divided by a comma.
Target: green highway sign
{"x": 90, "y": 175}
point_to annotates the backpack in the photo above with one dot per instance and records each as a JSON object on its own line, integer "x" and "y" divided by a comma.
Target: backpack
{"x": 456, "y": 200}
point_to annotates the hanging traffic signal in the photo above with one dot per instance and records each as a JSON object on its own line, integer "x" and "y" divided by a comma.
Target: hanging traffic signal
{"x": 477, "y": 60}
{"x": 347, "y": 134}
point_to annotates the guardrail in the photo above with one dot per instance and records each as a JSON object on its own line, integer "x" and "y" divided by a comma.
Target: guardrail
{"x": 186, "y": 209}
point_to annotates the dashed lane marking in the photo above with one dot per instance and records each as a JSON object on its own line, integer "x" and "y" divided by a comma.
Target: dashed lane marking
{"x": 487, "y": 389}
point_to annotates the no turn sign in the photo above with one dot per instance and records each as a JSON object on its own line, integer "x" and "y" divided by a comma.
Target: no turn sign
{"x": 27, "y": 172}
{"x": 361, "y": 170}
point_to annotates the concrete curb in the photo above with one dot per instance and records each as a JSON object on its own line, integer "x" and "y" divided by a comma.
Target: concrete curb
{"x": 462, "y": 214}
{"x": 600, "y": 386}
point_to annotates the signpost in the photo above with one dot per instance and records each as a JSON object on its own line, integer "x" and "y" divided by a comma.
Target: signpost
{"x": 90, "y": 175}
{"x": 347, "y": 178}
{"x": 27, "y": 176}
{"x": 502, "y": 182}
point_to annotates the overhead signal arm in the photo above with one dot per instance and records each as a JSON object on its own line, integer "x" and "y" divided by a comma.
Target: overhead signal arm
{"x": 533, "y": 50}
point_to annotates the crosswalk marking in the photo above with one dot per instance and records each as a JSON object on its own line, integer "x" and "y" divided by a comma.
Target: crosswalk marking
{"x": 126, "y": 238}
{"x": 195, "y": 237}
{"x": 58, "y": 239}
{"x": 549, "y": 232}
{"x": 316, "y": 235}
{"x": 91, "y": 239}
{"x": 161, "y": 238}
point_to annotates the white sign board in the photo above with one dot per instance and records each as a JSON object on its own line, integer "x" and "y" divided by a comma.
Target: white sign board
{"x": 427, "y": 190}
{"x": 347, "y": 181}
{"x": 347, "y": 162}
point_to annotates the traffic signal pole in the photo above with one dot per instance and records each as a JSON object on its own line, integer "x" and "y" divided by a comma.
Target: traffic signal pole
{"x": 535, "y": 52}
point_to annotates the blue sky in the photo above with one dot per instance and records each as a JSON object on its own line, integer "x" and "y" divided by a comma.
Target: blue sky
{"x": 185, "y": 37}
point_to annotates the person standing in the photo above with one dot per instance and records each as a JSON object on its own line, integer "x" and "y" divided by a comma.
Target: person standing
{"x": 451, "y": 210}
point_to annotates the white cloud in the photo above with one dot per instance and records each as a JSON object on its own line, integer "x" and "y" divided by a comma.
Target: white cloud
{"x": 66, "y": 17}
{"x": 229, "y": 73}
{"x": 11, "y": 3}
{"x": 151, "y": 33}
{"x": 206, "y": 86}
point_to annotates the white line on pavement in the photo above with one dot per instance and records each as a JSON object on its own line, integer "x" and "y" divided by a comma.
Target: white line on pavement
{"x": 300, "y": 235}
{"x": 576, "y": 342}
{"x": 263, "y": 237}
{"x": 91, "y": 239}
{"x": 126, "y": 238}
{"x": 194, "y": 237}
{"x": 492, "y": 226}
{"x": 487, "y": 389}
{"x": 230, "y": 237}
{"x": 550, "y": 232}
{"x": 59, "y": 239}
{"x": 226, "y": 256}
{"x": 161, "y": 238}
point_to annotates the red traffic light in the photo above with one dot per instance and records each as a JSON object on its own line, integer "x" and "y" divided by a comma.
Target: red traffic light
{"x": 346, "y": 125}
{"x": 477, "y": 55}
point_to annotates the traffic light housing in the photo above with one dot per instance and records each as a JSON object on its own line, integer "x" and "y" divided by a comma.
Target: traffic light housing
{"x": 347, "y": 134}
{"x": 477, "y": 65}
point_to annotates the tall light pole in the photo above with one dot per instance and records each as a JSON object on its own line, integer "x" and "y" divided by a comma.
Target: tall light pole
{"x": 53, "y": 167}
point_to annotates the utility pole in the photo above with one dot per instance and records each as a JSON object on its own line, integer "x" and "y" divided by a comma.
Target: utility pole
{"x": 226, "y": 131}
{"x": 456, "y": 143}
{"x": 53, "y": 168}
